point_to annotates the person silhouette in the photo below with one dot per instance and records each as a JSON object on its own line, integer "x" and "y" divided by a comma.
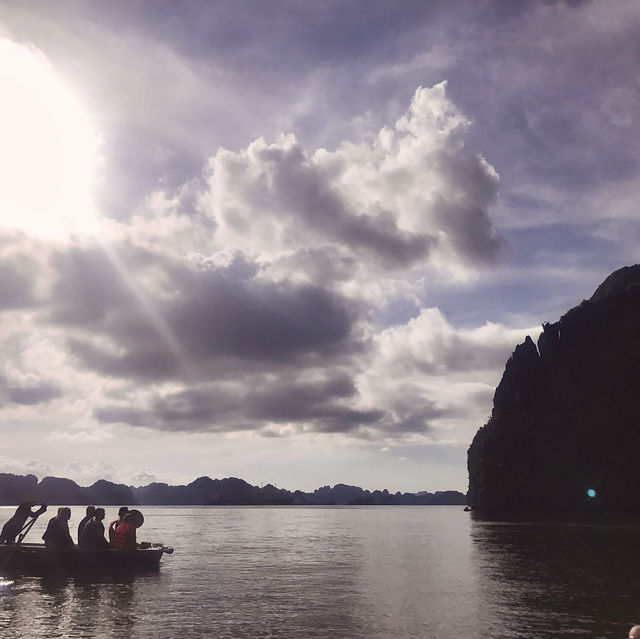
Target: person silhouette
{"x": 13, "y": 527}
{"x": 93, "y": 532}
{"x": 57, "y": 533}
{"x": 91, "y": 511}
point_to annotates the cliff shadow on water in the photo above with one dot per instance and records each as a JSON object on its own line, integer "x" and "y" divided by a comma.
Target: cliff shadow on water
{"x": 557, "y": 576}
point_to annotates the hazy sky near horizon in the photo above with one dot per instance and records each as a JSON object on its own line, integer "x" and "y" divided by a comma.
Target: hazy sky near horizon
{"x": 296, "y": 242}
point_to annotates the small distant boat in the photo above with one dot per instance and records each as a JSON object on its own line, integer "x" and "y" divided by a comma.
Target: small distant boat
{"x": 35, "y": 559}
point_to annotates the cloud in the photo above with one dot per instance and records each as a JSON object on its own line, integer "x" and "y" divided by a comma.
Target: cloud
{"x": 213, "y": 317}
{"x": 86, "y": 474}
{"x": 32, "y": 395}
{"x": 18, "y": 271}
{"x": 419, "y": 379}
{"x": 15, "y": 285}
{"x": 412, "y": 194}
{"x": 289, "y": 202}
{"x": 79, "y": 436}
{"x": 143, "y": 478}
{"x": 247, "y": 299}
{"x": 432, "y": 378}
{"x": 429, "y": 344}
{"x": 25, "y": 467}
{"x": 438, "y": 57}
{"x": 21, "y": 383}
{"x": 258, "y": 404}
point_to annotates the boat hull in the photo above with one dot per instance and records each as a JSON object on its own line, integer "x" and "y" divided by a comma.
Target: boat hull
{"x": 35, "y": 559}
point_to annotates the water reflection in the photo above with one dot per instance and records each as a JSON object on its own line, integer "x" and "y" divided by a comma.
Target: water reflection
{"x": 554, "y": 579}
{"x": 70, "y": 607}
{"x": 267, "y": 575}
{"x": 292, "y": 573}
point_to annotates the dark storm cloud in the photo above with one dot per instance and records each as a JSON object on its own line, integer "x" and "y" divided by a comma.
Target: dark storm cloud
{"x": 317, "y": 407}
{"x": 196, "y": 409}
{"x": 313, "y": 403}
{"x": 466, "y": 219}
{"x": 208, "y": 408}
{"x": 87, "y": 288}
{"x": 203, "y": 316}
{"x": 25, "y": 393}
{"x": 124, "y": 415}
{"x": 32, "y": 395}
{"x": 146, "y": 359}
{"x": 416, "y": 419}
{"x": 219, "y": 315}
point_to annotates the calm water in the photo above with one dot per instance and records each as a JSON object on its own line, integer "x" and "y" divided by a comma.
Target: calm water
{"x": 374, "y": 572}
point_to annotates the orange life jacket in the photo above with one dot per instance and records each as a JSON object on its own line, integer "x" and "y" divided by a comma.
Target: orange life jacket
{"x": 124, "y": 536}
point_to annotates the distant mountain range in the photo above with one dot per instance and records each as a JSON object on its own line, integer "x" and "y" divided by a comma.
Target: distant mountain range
{"x": 204, "y": 491}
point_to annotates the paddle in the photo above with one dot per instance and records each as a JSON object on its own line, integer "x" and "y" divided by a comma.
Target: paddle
{"x": 29, "y": 525}
{"x": 22, "y": 534}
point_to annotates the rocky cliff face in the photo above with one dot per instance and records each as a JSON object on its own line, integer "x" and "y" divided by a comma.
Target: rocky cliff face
{"x": 566, "y": 415}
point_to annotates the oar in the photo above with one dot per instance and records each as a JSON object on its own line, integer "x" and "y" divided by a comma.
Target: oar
{"x": 29, "y": 525}
{"x": 25, "y": 529}
{"x": 23, "y": 533}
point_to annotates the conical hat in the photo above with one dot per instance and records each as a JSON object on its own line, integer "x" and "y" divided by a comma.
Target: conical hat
{"x": 134, "y": 517}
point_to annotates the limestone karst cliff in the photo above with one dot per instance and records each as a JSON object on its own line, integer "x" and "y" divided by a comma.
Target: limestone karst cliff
{"x": 564, "y": 433}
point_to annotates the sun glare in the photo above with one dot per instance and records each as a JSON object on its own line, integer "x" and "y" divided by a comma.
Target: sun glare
{"x": 47, "y": 148}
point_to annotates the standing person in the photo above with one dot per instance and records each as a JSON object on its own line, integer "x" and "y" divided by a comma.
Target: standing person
{"x": 57, "y": 533}
{"x": 93, "y": 532}
{"x": 91, "y": 511}
{"x": 124, "y": 537}
{"x": 114, "y": 524}
{"x": 13, "y": 527}
{"x": 634, "y": 633}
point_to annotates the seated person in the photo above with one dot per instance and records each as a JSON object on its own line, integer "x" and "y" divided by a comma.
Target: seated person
{"x": 13, "y": 527}
{"x": 124, "y": 537}
{"x": 93, "y": 532}
{"x": 91, "y": 511}
{"x": 57, "y": 533}
{"x": 114, "y": 524}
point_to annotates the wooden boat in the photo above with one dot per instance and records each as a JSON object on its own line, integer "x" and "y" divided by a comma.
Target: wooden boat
{"x": 35, "y": 559}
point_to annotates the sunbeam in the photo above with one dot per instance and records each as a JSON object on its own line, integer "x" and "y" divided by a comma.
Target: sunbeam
{"x": 151, "y": 313}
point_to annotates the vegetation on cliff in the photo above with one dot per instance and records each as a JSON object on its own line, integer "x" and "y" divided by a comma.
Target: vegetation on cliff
{"x": 564, "y": 433}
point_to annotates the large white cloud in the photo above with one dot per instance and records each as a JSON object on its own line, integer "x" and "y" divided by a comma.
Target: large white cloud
{"x": 247, "y": 300}
{"x": 412, "y": 194}
{"x": 433, "y": 378}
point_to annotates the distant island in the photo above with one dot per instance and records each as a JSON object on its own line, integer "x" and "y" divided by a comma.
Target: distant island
{"x": 205, "y": 491}
{"x": 564, "y": 434}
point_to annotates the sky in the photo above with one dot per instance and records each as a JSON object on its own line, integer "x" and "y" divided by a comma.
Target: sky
{"x": 296, "y": 242}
